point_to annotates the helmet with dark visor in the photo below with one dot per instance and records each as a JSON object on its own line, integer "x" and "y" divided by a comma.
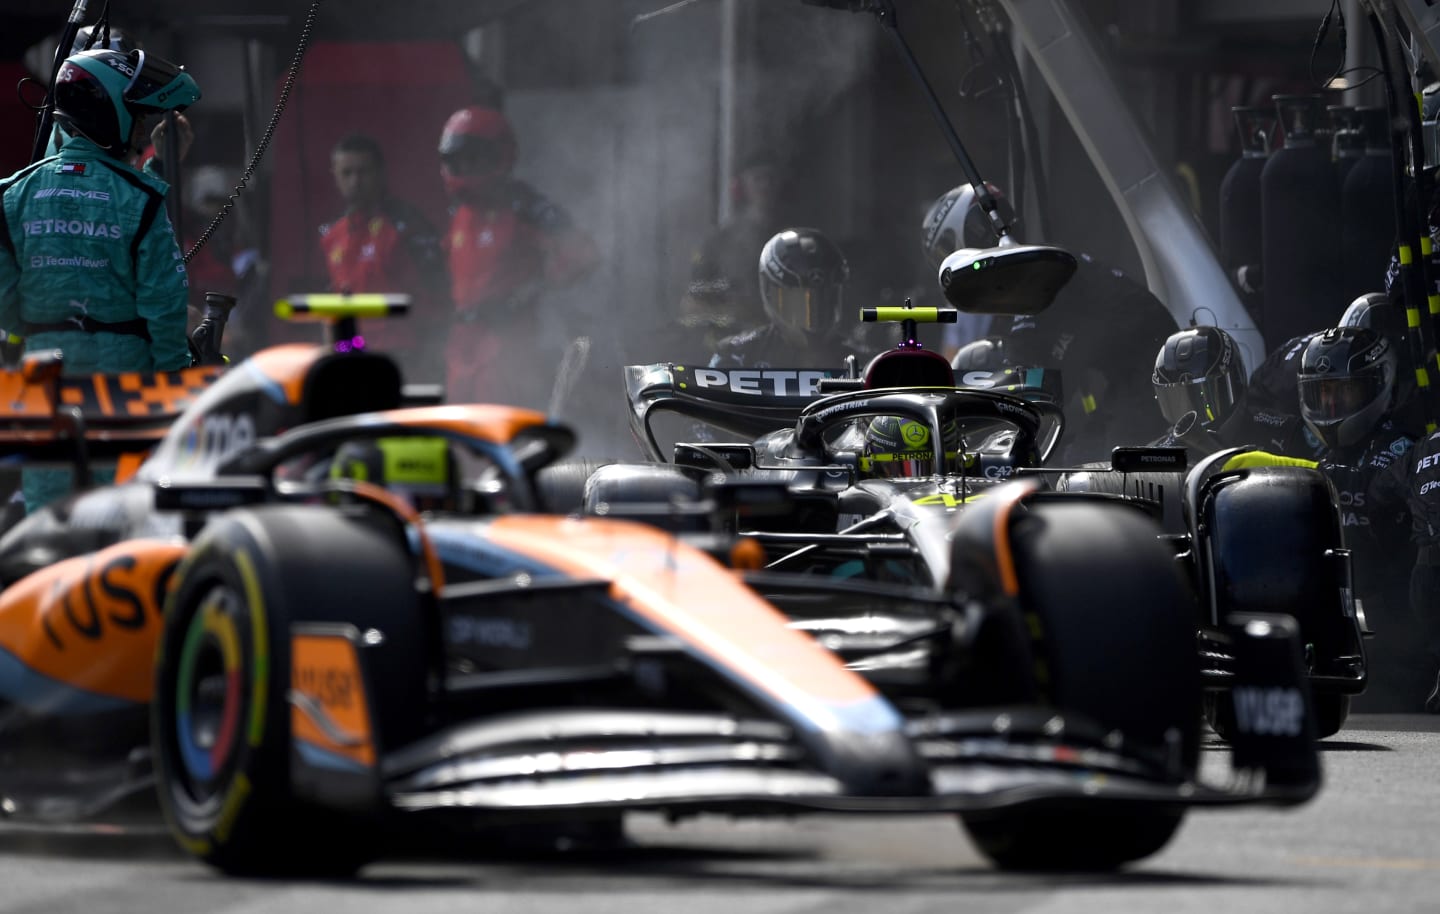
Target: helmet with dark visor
{"x": 159, "y": 85}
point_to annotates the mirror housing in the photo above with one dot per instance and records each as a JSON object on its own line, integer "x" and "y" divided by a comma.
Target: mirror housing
{"x": 1013, "y": 279}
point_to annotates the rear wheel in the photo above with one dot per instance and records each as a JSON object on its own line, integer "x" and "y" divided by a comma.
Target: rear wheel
{"x": 1112, "y": 622}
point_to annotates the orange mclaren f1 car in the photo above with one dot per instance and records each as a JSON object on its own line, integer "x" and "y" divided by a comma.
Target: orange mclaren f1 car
{"x": 260, "y": 626}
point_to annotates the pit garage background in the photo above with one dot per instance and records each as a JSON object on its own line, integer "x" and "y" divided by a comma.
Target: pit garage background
{"x": 635, "y": 120}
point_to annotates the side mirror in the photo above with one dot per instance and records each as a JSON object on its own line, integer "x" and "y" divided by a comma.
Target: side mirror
{"x": 1014, "y": 279}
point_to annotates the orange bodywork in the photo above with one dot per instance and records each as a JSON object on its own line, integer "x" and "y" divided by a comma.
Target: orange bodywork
{"x": 288, "y": 366}
{"x": 326, "y": 671}
{"x": 152, "y": 398}
{"x": 93, "y": 622}
{"x": 495, "y": 424}
{"x": 679, "y": 589}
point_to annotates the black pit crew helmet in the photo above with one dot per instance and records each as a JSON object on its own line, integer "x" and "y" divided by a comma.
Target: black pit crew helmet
{"x": 1347, "y": 384}
{"x": 1198, "y": 370}
{"x": 896, "y": 448}
{"x": 1375, "y": 311}
{"x": 802, "y": 281}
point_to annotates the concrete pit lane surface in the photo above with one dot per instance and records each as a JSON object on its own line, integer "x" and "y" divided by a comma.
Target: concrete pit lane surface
{"x": 1368, "y": 843}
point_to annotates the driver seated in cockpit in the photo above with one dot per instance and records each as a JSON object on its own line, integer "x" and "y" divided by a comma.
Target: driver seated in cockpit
{"x": 891, "y": 447}
{"x": 900, "y": 448}
{"x": 423, "y": 471}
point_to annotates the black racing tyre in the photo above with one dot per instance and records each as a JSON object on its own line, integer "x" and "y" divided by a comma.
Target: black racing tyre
{"x": 1331, "y": 712}
{"x": 220, "y": 717}
{"x": 561, "y": 486}
{"x": 1060, "y": 840}
{"x": 1112, "y": 622}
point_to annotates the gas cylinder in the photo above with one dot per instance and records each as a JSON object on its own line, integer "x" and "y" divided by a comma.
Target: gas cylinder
{"x": 1367, "y": 209}
{"x": 1240, "y": 247}
{"x": 1348, "y": 142}
{"x": 1300, "y": 227}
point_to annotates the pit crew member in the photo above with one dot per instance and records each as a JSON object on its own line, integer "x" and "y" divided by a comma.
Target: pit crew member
{"x": 1347, "y": 386}
{"x": 505, "y": 246}
{"x": 382, "y": 244}
{"x": 802, "y": 276}
{"x": 1198, "y": 378}
{"x": 88, "y": 259}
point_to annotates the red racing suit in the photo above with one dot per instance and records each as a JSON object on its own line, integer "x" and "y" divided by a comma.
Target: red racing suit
{"x": 390, "y": 249}
{"x": 502, "y": 250}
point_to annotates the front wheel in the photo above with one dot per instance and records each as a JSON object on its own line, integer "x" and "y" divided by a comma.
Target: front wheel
{"x": 221, "y": 714}
{"x": 1112, "y": 627}
{"x": 1076, "y": 840}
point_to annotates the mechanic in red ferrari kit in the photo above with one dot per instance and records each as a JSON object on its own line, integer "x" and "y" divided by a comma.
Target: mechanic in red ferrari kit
{"x": 506, "y": 245}
{"x": 382, "y": 244}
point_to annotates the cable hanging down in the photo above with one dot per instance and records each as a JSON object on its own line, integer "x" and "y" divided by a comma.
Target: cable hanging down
{"x": 293, "y": 74}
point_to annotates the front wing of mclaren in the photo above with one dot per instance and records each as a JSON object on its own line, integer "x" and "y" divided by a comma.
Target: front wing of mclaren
{"x": 689, "y": 764}
{"x": 565, "y": 763}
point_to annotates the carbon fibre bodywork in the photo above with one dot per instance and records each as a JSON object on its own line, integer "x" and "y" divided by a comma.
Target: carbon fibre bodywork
{"x": 1252, "y": 538}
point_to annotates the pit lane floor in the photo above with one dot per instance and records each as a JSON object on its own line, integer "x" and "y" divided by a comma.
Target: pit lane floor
{"x": 1369, "y": 843}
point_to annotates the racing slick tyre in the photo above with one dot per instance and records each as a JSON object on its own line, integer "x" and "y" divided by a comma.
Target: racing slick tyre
{"x": 1112, "y": 627}
{"x": 222, "y": 710}
{"x": 1331, "y": 712}
{"x": 561, "y": 486}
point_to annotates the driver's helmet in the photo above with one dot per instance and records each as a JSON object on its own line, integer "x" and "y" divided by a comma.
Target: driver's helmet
{"x": 1347, "y": 383}
{"x": 477, "y": 148}
{"x": 955, "y": 221}
{"x": 419, "y": 469}
{"x": 1198, "y": 370}
{"x": 896, "y": 447}
{"x": 802, "y": 280}
{"x": 100, "y": 94}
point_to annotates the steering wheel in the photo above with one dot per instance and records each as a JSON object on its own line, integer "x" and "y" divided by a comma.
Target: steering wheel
{"x": 1037, "y": 423}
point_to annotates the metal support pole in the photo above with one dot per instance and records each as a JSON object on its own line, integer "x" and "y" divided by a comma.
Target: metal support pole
{"x": 1181, "y": 266}
{"x": 725, "y": 140}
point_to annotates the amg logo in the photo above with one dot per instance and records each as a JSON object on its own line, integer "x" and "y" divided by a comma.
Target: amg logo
{"x": 1269, "y": 711}
{"x": 44, "y": 192}
{"x": 771, "y": 382}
